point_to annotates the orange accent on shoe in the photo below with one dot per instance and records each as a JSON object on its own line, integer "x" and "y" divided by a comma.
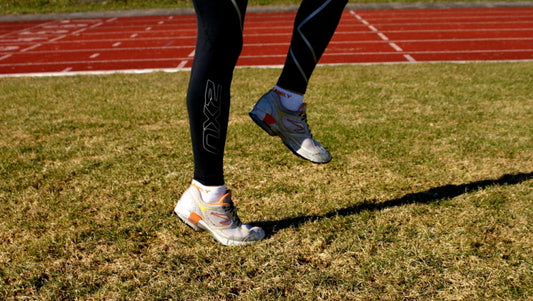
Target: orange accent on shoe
{"x": 269, "y": 119}
{"x": 194, "y": 218}
{"x": 223, "y": 198}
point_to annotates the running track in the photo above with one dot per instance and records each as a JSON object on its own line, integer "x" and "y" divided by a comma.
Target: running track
{"x": 143, "y": 44}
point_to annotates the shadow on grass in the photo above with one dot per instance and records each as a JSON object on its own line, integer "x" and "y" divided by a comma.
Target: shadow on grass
{"x": 425, "y": 197}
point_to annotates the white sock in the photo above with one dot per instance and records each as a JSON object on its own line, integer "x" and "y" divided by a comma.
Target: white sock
{"x": 210, "y": 194}
{"x": 290, "y": 100}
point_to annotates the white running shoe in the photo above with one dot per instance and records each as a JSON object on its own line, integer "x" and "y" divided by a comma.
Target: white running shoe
{"x": 219, "y": 219}
{"x": 290, "y": 126}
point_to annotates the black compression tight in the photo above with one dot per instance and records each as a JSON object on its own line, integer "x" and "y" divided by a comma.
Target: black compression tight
{"x": 314, "y": 26}
{"x": 218, "y": 46}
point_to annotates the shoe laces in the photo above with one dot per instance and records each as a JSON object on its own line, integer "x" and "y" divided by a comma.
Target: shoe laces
{"x": 303, "y": 118}
{"x": 231, "y": 210}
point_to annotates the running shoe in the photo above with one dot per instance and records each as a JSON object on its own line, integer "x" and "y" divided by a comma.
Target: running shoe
{"x": 290, "y": 126}
{"x": 220, "y": 219}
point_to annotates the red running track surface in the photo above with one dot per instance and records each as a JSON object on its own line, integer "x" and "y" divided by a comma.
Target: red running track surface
{"x": 141, "y": 44}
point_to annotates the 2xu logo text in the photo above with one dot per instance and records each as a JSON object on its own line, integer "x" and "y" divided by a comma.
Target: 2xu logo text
{"x": 211, "y": 126}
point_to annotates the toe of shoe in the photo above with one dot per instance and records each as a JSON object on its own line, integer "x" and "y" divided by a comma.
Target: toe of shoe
{"x": 257, "y": 233}
{"x": 323, "y": 157}
{"x": 314, "y": 152}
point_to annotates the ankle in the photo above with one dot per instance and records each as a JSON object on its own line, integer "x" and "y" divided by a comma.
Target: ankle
{"x": 210, "y": 194}
{"x": 290, "y": 100}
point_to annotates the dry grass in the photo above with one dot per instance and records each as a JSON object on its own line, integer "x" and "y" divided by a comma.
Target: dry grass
{"x": 429, "y": 195}
{"x": 9, "y": 7}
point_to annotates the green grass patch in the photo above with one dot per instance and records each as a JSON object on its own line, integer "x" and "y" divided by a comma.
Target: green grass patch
{"x": 429, "y": 194}
{"x": 8, "y": 7}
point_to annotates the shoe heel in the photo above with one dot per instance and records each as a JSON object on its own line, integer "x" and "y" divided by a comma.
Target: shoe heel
{"x": 185, "y": 218}
{"x": 262, "y": 124}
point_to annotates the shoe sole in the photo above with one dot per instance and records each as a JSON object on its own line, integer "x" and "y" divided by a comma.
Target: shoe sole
{"x": 183, "y": 215}
{"x": 262, "y": 124}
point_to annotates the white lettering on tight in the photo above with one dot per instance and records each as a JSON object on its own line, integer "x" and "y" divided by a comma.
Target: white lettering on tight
{"x": 211, "y": 126}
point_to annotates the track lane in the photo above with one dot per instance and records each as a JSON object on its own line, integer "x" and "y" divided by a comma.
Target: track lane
{"x": 167, "y": 42}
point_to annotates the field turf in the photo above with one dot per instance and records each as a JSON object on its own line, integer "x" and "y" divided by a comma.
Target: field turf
{"x": 429, "y": 195}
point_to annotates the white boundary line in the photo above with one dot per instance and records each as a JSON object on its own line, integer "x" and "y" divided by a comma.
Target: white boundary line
{"x": 100, "y": 72}
{"x": 174, "y": 70}
{"x": 383, "y": 37}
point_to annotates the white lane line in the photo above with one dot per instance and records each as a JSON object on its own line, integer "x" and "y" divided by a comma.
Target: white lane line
{"x": 94, "y": 55}
{"x": 383, "y": 36}
{"x": 4, "y": 57}
{"x": 57, "y": 38}
{"x": 273, "y": 44}
{"x": 103, "y": 61}
{"x": 100, "y": 72}
{"x": 8, "y": 48}
{"x": 9, "y": 33}
{"x": 171, "y": 70}
{"x": 116, "y": 44}
{"x": 409, "y": 58}
{"x": 396, "y": 47}
{"x": 31, "y": 47}
{"x": 184, "y": 62}
{"x": 112, "y": 50}
{"x": 134, "y": 35}
{"x": 96, "y": 25}
{"x": 77, "y": 32}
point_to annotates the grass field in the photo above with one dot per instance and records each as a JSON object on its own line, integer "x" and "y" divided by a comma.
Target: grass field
{"x": 8, "y": 7}
{"x": 429, "y": 195}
